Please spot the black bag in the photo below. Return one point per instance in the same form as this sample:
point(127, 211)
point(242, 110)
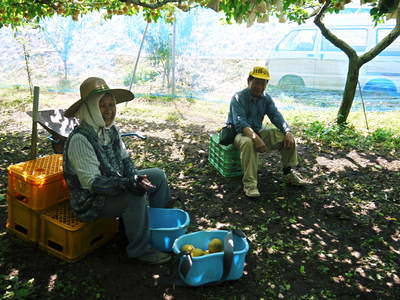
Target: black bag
point(227, 135)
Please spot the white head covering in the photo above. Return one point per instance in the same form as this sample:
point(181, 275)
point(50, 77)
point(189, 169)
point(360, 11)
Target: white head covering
point(89, 112)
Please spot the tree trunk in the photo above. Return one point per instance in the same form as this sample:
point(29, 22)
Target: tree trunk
point(65, 70)
point(167, 70)
point(349, 90)
point(355, 62)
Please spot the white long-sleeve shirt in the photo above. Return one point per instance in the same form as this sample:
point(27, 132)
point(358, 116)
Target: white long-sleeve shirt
point(83, 158)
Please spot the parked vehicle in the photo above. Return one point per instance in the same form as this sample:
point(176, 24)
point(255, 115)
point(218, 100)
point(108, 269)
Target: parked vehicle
point(304, 58)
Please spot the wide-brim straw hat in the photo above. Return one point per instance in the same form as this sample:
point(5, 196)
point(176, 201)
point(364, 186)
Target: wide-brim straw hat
point(94, 86)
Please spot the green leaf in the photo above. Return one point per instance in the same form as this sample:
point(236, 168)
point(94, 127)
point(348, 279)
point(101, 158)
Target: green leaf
point(302, 270)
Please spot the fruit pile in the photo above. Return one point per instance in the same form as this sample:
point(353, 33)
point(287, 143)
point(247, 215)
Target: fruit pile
point(214, 246)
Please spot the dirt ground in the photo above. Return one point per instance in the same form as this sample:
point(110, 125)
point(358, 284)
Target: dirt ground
point(335, 239)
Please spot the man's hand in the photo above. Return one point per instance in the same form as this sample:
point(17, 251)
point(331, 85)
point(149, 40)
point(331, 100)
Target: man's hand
point(288, 141)
point(259, 145)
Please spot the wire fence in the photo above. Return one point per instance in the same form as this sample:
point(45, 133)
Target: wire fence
point(212, 61)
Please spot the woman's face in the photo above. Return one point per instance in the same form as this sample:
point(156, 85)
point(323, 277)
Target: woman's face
point(108, 108)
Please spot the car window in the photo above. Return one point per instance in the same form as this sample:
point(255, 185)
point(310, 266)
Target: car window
point(298, 40)
point(393, 49)
point(356, 38)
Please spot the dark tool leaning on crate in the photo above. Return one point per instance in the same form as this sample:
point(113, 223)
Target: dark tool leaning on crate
point(60, 127)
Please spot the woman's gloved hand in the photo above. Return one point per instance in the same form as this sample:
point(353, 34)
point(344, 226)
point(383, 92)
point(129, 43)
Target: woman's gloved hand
point(140, 184)
point(145, 182)
point(135, 186)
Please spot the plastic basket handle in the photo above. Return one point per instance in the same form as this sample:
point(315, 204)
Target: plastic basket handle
point(186, 262)
point(228, 256)
point(228, 252)
point(183, 262)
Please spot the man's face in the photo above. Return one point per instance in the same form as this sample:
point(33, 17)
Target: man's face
point(108, 108)
point(257, 86)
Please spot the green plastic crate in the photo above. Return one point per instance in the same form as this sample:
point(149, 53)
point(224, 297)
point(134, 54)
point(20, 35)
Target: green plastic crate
point(227, 163)
point(226, 167)
point(226, 153)
point(225, 159)
point(226, 172)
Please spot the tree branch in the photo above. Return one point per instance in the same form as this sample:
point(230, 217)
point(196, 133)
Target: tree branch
point(342, 45)
point(47, 2)
point(385, 42)
point(155, 5)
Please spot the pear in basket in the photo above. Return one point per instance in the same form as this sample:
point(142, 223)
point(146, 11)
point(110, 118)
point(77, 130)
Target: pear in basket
point(197, 252)
point(215, 245)
point(187, 248)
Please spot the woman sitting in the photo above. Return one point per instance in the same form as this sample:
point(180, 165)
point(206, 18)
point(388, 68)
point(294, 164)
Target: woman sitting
point(101, 177)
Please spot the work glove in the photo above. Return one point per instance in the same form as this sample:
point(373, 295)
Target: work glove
point(135, 187)
point(115, 185)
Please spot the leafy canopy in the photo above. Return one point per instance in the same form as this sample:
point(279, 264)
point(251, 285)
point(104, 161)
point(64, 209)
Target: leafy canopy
point(19, 12)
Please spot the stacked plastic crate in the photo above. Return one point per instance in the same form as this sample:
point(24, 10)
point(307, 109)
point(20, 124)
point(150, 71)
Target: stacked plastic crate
point(38, 210)
point(226, 159)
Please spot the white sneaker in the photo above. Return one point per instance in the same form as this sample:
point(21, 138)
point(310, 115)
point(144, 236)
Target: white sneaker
point(295, 179)
point(251, 192)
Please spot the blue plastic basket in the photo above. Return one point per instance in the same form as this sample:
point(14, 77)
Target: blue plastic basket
point(209, 268)
point(166, 225)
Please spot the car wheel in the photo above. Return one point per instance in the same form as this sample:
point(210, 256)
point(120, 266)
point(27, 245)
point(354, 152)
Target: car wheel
point(290, 82)
point(380, 86)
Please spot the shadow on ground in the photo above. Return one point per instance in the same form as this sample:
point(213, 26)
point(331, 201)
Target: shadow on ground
point(335, 239)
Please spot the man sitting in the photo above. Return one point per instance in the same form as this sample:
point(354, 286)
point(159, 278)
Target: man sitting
point(247, 110)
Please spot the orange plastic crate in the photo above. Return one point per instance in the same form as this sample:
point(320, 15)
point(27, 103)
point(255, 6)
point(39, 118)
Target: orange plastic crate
point(64, 236)
point(40, 181)
point(22, 220)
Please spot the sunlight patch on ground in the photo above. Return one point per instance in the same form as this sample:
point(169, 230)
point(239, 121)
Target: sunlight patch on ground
point(309, 243)
point(14, 272)
point(358, 159)
point(322, 257)
point(177, 153)
point(52, 282)
point(355, 254)
point(355, 161)
point(307, 232)
point(396, 236)
point(335, 165)
point(396, 279)
point(167, 296)
point(363, 288)
point(338, 279)
point(360, 271)
point(220, 225)
point(391, 166)
point(219, 195)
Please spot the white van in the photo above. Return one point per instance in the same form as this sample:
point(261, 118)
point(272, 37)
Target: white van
point(304, 58)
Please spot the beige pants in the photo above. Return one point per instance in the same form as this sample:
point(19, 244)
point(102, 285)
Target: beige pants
point(273, 139)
